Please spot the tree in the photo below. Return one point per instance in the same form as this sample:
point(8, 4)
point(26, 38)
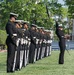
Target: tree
point(70, 4)
point(31, 10)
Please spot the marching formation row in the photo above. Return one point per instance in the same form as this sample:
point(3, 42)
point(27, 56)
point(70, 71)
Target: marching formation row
point(25, 45)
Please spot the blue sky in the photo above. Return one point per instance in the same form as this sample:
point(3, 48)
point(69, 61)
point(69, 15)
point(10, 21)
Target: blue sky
point(61, 1)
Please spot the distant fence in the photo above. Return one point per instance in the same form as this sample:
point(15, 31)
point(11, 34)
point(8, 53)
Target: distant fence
point(69, 45)
point(55, 46)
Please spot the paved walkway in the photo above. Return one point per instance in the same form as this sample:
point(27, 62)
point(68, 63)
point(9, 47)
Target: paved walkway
point(3, 50)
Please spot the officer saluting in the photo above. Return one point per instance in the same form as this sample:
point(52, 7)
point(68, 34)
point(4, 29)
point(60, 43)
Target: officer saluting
point(11, 41)
point(60, 34)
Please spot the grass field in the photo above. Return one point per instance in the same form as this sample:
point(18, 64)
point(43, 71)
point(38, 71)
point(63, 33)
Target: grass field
point(46, 66)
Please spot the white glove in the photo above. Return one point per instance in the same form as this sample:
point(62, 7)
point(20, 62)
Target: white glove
point(37, 41)
point(26, 42)
point(49, 41)
point(29, 43)
point(17, 42)
point(22, 40)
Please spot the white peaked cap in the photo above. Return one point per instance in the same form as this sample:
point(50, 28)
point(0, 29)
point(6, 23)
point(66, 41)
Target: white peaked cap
point(13, 14)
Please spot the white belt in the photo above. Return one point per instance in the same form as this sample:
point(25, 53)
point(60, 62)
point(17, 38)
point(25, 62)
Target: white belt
point(49, 41)
point(34, 37)
point(62, 36)
point(29, 39)
point(37, 39)
point(21, 40)
point(13, 34)
point(26, 37)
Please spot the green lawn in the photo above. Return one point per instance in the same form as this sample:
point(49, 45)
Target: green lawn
point(46, 66)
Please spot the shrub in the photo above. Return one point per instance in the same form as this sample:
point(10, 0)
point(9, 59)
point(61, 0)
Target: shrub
point(2, 36)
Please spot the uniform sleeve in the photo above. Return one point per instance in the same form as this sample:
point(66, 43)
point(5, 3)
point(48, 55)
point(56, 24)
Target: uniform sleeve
point(60, 34)
point(9, 30)
point(20, 32)
point(33, 37)
point(56, 25)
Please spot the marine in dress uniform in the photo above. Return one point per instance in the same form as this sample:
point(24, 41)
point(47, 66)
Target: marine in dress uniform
point(44, 44)
point(46, 49)
point(38, 43)
point(11, 41)
point(39, 37)
point(41, 42)
point(26, 46)
point(22, 46)
point(49, 43)
point(19, 35)
point(33, 43)
point(61, 36)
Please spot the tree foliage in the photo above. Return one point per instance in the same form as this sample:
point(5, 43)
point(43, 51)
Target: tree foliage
point(70, 4)
point(31, 11)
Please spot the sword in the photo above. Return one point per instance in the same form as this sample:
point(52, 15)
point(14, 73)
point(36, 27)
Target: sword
point(67, 50)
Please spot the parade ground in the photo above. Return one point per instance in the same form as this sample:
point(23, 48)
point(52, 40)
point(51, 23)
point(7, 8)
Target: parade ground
point(46, 66)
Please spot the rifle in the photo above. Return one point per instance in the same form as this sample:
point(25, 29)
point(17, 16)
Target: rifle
point(67, 51)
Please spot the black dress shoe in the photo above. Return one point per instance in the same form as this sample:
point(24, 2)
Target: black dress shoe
point(16, 69)
point(10, 71)
point(61, 63)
